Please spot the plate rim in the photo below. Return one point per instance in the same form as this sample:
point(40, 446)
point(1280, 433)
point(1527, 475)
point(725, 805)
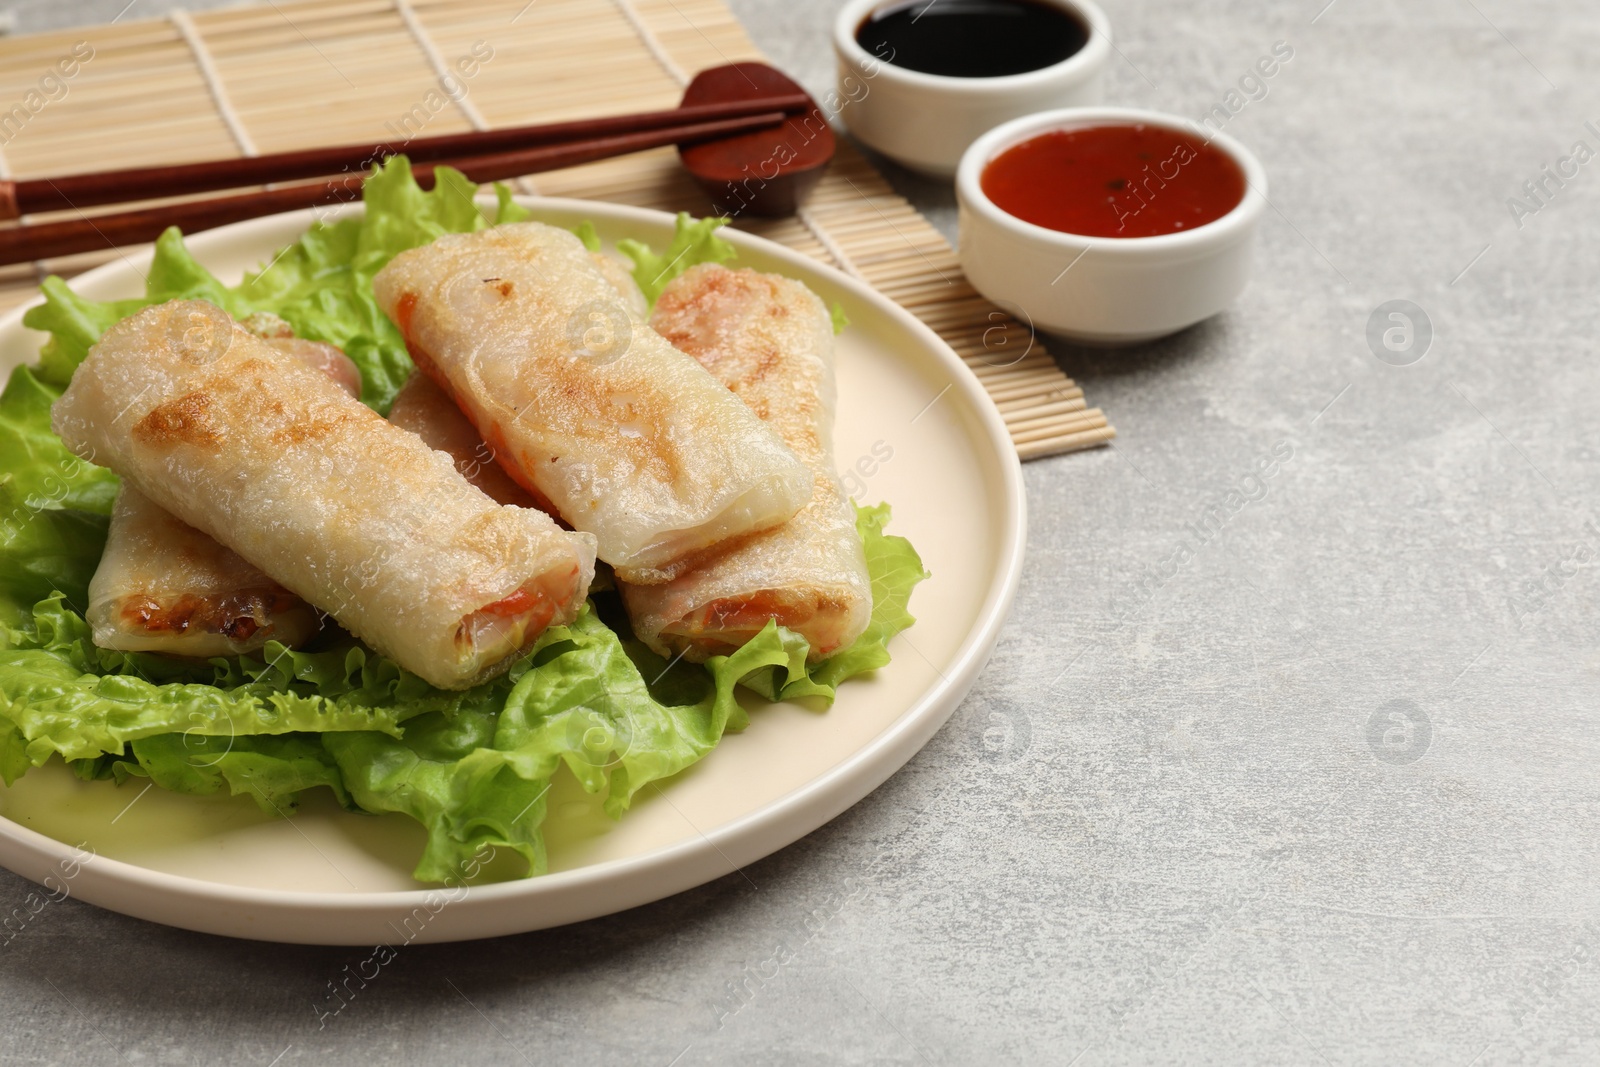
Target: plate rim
point(685, 863)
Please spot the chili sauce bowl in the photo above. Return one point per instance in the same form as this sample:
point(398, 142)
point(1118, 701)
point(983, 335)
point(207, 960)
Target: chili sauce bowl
point(926, 120)
point(1099, 289)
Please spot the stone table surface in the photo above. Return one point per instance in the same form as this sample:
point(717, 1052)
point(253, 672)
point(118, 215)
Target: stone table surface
point(1316, 788)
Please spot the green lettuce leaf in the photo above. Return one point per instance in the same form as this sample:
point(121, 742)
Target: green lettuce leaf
point(479, 778)
point(74, 323)
point(840, 319)
point(67, 697)
point(896, 569)
point(271, 770)
point(53, 506)
point(588, 235)
point(38, 472)
point(694, 241)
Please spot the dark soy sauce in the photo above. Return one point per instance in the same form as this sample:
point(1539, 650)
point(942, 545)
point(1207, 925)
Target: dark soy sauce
point(972, 38)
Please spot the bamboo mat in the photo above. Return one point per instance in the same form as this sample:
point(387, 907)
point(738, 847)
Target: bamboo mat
point(268, 78)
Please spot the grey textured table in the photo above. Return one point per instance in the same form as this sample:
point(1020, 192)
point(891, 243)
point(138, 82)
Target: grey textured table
point(1315, 786)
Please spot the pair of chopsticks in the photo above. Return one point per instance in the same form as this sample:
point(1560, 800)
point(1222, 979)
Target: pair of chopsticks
point(485, 156)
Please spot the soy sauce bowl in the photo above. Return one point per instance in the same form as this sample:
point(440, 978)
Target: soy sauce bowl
point(926, 121)
point(1105, 290)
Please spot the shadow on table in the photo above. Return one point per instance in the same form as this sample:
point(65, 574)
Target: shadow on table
point(140, 983)
point(1089, 364)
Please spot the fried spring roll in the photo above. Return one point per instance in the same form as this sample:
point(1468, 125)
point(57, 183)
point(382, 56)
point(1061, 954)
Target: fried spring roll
point(769, 340)
point(423, 409)
point(163, 586)
point(358, 517)
point(319, 355)
point(584, 404)
point(426, 411)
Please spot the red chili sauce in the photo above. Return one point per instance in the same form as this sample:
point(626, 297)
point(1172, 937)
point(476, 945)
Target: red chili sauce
point(1133, 180)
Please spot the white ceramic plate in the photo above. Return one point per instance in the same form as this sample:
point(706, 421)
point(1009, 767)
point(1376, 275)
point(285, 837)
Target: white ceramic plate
point(218, 865)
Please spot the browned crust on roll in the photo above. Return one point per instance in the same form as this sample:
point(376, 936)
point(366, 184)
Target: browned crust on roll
point(186, 420)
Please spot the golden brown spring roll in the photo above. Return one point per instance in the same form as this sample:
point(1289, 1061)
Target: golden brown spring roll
point(163, 586)
point(357, 516)
point(585, 405)
point(770, 341)
point(426, 411)
point(316, 354)
point(422, 408)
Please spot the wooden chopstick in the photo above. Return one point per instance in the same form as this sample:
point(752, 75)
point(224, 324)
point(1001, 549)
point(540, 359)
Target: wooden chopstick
point(20, 244)
point(34, 195)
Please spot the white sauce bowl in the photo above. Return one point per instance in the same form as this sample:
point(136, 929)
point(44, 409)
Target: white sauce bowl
point(925, 121)
point(1105, 290)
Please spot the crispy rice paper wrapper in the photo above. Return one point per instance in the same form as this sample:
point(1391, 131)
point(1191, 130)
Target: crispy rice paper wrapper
point(584, 404)
point(424, 409)
point(358, 517)
point(163, 586)
point(770, 341)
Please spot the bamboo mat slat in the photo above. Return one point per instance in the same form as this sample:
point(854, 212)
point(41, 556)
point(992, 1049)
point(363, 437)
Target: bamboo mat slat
point(291, 75)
